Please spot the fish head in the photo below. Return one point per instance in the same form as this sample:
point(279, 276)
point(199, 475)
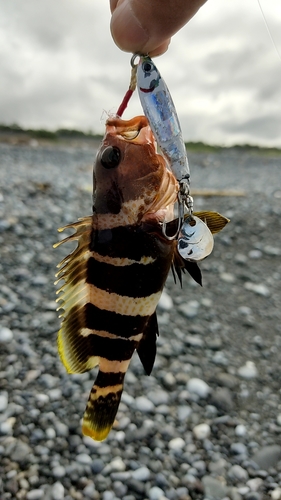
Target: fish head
point(131, 180)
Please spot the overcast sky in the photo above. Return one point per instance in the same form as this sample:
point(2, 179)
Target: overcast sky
point(60, 68)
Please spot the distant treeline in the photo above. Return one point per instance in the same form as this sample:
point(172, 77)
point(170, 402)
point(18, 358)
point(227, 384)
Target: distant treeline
point(196, 147)
point(47, 134)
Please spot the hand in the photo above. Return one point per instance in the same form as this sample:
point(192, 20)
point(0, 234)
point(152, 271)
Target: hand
point(146, 26)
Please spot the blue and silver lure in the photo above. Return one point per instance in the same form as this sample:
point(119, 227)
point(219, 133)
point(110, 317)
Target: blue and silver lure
point(195, 240)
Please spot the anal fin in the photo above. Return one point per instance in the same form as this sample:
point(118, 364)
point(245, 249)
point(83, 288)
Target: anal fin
point(147, 346)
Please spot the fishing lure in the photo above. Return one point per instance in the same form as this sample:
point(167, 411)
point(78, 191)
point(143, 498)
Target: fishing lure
point(195, 240)
point(161, 113)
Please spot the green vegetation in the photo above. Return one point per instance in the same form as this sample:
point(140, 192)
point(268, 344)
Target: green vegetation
point(48, 134)
point(192, 147)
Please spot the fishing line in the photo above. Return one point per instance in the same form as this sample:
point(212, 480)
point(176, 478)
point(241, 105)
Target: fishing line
point(129, 93)
point(268, 30)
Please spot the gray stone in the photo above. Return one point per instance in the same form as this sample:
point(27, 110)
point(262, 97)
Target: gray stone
point(6, 335)
point(202, 431)
point(268, 456)
point(158, 397)
point(237, 473)
point(58, 491)
point(248, 371)
point(238, 448)
point(84, 459)
point(141, 474)
point(222, 399)
point(59, 471)
point(214, 489)
point(176, 444)
point(190, 309)
point(144, 405)
point(199, 387)
point(155, 493)
point(20, 451)
point(184, 412)
point(240, 430)
point(258, 288)
point(165, 303)
point(3, 401)
point(35, 494)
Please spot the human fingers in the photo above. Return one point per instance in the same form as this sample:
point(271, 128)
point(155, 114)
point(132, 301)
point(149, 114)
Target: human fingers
point(146, 26)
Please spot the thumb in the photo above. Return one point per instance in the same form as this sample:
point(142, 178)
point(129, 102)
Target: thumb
point(146, 26)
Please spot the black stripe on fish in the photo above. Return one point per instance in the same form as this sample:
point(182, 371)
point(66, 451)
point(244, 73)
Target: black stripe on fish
point(135, 280)
point(118, 324)
point(130, 242)
point(105, 315)
point(107, 379)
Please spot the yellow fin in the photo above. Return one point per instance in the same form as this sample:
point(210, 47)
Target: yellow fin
point(75, 349)
point(215, 221)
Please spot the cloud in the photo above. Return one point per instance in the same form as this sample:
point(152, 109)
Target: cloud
point(60, 68)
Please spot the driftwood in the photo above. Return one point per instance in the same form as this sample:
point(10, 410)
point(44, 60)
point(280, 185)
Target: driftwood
point(218, 192)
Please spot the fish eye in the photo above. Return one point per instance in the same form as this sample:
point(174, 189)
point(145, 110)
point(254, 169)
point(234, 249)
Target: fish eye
point(147, 67)
point(110, 157)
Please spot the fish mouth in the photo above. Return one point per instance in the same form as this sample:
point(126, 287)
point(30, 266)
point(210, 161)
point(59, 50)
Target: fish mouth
point(147, 91)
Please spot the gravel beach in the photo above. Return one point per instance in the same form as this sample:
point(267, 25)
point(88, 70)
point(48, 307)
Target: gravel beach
point(207, 423)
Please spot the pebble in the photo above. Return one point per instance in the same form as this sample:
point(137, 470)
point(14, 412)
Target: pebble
point(258, 288)
point(83, 458)
point(214, 489)
point(240, 430)
point(248, 371)
point(158, 397)
point(184, 411)
point(59, 471)
point(238, 448)
point(144, 405)
point(141, 474)
point(35, 494)
point(156, 493)
point(227, 277)
point(267, 456)
point(237, 473)
point(166, 302)
point(276, 494)
point(58, 491)
point(176, 444)
point(6, 335)
point(205, 334)
point(199, 387)
point(189, 310)
point(255, 483)
point(201, 431)
point(3, 401)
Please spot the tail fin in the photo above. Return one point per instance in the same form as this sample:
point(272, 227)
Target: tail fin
point(103, 404)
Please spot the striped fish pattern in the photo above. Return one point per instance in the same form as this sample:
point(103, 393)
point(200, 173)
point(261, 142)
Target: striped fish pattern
point(114, 278)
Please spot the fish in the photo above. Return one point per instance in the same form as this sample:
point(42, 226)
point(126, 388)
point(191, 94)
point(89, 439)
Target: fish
point(113, 279)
